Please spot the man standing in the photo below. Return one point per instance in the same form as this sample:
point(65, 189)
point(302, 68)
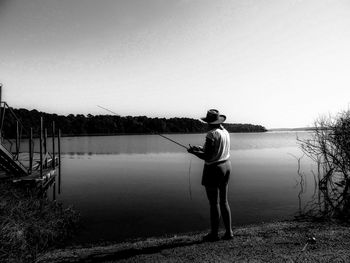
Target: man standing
point(216, 172)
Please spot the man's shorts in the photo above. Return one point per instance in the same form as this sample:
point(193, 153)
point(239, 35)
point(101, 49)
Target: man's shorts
point(217, 174)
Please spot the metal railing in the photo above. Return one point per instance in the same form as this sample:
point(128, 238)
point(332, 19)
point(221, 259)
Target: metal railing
point(13, 134)
point(12, 141)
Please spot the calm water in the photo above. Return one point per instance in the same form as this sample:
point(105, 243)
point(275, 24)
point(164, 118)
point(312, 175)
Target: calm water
point(142, 185)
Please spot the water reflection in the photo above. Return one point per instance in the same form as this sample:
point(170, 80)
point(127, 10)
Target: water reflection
point(130, 144)
point(133, 186)
point(54, 187)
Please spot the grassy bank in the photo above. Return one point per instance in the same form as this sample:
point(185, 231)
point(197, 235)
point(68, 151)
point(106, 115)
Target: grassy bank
point(272, 242)
point(30, 225)
point(34, 230)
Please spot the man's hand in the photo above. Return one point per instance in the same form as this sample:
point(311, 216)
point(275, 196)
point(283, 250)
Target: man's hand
point(190, 149)
point(195, 149)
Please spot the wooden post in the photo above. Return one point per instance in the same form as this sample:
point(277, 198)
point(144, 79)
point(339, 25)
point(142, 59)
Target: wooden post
point(59, 160)
point(54, 189)
point(53, 145)
point(30, 151)
point(3, 109)
point(59, 146)
point(41, 146)
point(17, 139)
point(1, 121)
point(45, 146)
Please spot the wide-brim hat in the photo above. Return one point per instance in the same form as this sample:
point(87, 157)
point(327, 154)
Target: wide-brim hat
point(214, 117)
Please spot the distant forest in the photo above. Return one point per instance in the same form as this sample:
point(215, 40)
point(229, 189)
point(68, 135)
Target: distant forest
point(112, 124)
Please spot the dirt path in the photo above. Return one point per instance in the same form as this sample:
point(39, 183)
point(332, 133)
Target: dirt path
point(273, 242)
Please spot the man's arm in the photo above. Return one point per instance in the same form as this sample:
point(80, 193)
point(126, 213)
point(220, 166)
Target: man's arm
point(204, 153)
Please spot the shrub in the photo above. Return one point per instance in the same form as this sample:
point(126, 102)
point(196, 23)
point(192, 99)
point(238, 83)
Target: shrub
point(329, 147)
point(30, 225)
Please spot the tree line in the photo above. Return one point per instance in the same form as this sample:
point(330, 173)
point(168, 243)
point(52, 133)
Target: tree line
point(112, 124)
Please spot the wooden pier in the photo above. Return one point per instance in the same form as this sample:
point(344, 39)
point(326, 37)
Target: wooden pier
point(25, 158)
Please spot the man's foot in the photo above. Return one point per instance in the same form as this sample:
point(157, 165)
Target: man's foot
point(228, 236)
point(211, 237)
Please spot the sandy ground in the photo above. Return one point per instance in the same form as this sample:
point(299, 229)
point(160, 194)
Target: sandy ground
point(272, 242)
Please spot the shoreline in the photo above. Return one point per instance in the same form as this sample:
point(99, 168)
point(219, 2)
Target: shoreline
point(43, 239)
point(128, 134)
point(174, 133)
point(131, 134)
point(281, 241)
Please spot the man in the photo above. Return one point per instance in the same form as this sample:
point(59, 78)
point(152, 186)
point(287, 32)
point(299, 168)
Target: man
point(216, 172)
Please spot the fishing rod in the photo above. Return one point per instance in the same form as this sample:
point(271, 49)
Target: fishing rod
point(157, 133)
point(108, 110)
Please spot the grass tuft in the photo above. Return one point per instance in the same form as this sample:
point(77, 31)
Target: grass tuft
point(30, 225)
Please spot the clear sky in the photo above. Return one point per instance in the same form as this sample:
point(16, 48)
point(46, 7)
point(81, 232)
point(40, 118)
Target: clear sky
point(279, 63)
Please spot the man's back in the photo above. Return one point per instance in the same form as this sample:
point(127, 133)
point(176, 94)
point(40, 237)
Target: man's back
point(218, 145)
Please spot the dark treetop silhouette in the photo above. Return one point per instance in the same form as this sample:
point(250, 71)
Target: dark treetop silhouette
point(111, 124)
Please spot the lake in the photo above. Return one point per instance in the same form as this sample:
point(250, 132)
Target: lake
point(143, 185)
